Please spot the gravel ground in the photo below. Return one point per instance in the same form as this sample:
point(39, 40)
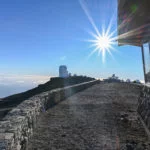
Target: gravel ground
point(102, 117)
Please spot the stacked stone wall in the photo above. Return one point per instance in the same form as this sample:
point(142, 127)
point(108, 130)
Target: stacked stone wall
point(144, 106)
point(17, 127)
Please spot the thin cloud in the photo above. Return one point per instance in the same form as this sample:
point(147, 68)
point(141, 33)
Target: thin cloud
point(63, 58)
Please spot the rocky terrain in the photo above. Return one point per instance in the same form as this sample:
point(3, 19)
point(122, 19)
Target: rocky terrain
point(103, 117)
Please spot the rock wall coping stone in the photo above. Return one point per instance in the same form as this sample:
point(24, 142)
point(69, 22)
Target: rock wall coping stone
point(17, 126)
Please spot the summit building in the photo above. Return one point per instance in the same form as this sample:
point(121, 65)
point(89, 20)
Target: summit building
point(63, 73)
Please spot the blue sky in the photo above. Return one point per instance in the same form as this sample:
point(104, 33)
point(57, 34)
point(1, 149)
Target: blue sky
point(36, 36)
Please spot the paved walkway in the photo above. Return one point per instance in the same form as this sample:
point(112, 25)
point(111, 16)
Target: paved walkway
point(102, 117)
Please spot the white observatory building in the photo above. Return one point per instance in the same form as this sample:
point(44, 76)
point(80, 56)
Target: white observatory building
point(63, 73)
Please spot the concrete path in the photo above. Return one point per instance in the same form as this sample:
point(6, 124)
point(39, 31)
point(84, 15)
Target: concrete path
point(102, 117)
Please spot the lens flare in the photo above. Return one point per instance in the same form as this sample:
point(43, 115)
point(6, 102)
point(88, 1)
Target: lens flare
point(102, 42)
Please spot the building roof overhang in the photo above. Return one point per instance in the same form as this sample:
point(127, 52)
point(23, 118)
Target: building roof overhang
point(133, 22)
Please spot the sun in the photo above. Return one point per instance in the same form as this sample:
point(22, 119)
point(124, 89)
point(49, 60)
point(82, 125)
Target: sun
point(102, 41)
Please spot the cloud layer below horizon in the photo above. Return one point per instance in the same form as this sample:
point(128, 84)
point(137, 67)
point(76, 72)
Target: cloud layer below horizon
point(12, 84)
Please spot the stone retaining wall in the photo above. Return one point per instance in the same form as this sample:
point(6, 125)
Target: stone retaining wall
point(17, 126)
point(144, 106)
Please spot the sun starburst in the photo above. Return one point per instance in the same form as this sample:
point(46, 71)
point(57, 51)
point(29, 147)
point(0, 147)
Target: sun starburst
point(102, 42)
